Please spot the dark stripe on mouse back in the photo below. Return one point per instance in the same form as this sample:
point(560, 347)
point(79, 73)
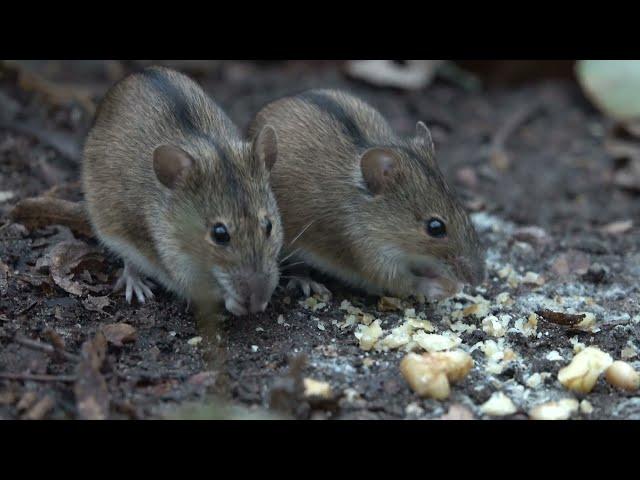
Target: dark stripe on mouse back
point(329, 105)
point(179, 104)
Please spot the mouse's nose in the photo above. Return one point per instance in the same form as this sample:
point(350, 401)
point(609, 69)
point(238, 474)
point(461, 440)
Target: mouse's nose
point(473, 271)
point(258, 292)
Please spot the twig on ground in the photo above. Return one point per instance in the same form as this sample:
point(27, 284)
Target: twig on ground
point(497, 150)
point(34, 377)
point(44, 347)
point(27, 308)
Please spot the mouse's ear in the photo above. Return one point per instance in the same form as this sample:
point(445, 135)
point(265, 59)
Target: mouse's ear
point(265, 147)
point(171, 164)
point(378, 167)
point(423, 137)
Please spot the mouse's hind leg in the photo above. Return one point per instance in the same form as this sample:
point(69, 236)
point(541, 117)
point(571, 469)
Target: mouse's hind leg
point(133, 283)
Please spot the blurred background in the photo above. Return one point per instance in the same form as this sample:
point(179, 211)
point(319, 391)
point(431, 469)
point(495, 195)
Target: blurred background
point(513, 136)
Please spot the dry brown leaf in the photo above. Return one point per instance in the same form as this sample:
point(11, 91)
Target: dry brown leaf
point(560, 318)
point(97, 304)
point(388, 304)
point(42, 211)
point(92, 396)
point(67, 258)
point(119, 333)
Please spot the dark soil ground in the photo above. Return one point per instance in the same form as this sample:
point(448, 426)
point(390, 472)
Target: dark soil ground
point(554, 171)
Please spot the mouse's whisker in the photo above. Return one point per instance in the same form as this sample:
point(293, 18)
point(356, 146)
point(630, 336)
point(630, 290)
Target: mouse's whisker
point(290, 255)
point(301, 232)
point(284, 267)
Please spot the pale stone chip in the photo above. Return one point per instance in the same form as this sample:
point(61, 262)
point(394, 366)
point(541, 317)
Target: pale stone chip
point(533, 278)
point(629, 351)
point(194, 341)
point(585, 368)
point(586, 407)
point(505, 271)
point(6, 195)
point(499, 405)
point(503, 298)
point(413, 409)
point(534, 381)
point(560, 410)
point(554, 356)
point(577, 345)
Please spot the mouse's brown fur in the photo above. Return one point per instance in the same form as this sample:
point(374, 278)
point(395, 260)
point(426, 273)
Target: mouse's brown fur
point(364, 194)
point(162, 165)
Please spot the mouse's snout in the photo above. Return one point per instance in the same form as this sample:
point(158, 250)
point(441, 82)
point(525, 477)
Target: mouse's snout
point(256, 290)
point(473, 272)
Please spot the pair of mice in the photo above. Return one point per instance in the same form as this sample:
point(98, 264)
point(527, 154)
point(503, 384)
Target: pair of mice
point(175, 190)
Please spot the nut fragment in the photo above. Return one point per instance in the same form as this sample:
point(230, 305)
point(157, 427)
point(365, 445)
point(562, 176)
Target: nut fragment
point(432, 342)
point(622, 375)
point(585, 368)
point(368, 335)
point(499, 405)
point(429, 374)
point(315, 388)
point(560, 410)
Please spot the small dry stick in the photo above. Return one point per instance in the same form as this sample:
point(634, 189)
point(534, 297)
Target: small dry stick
point(37, 377)
point(497, 153)
point(43, 347)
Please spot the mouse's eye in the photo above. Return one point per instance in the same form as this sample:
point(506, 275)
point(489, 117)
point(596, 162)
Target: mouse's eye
point(436, 228)
point(220, 234)
point(267, 226)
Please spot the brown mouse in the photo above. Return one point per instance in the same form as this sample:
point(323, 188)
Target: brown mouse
point(363, 204)
point(175, 191)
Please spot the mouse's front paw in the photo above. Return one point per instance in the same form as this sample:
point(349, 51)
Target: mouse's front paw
point(132, 282)
point(307, 286)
